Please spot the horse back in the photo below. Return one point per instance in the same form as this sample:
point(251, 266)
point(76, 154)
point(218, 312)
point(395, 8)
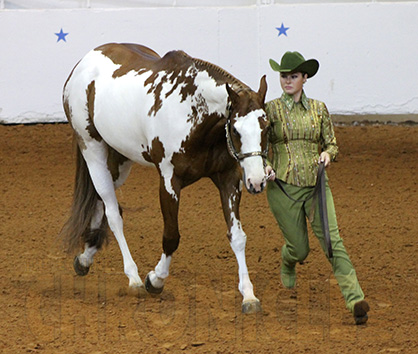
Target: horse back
point(129, 56)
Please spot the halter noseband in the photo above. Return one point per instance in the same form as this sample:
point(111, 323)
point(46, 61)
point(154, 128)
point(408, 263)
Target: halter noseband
point(238, 156)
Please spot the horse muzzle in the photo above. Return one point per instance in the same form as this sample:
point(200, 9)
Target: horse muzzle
point(253, 186)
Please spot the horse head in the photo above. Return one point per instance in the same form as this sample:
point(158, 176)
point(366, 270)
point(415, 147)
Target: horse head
point(246, 132)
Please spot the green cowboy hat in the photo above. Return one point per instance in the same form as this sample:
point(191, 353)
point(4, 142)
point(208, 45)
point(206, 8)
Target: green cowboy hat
point(295, 62)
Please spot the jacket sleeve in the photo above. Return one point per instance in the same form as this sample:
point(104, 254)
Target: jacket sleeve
point(328, 139)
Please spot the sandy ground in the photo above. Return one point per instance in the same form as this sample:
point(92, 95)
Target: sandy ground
point(46, 308)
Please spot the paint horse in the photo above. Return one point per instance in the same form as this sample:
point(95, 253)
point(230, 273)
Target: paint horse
point(187, 117)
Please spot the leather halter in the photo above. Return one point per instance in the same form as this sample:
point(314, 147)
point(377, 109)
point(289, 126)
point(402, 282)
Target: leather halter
point(238, 156)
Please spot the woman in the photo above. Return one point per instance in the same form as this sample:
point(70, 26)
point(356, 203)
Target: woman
point(302, 136)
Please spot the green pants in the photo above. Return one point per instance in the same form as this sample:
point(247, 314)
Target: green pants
point(291, 217)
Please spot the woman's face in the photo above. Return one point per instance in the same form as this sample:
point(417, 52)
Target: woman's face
point(292, 83)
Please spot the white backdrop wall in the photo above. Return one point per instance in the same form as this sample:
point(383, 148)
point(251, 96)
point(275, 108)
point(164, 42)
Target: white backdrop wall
point(367, 50)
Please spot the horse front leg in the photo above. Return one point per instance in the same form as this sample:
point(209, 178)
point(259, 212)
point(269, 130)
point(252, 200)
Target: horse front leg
point(230, 191)
point(169, 202)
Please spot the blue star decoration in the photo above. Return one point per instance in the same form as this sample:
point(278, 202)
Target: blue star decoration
point(282, 30)
point(61, 36)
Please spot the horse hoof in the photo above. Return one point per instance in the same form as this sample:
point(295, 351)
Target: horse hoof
point(79, 268)
point(252, 306)
point(137, 291)
point(150, 288)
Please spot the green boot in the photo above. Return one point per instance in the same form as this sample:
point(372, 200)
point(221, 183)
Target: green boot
point(360, 312)
point(288, 276)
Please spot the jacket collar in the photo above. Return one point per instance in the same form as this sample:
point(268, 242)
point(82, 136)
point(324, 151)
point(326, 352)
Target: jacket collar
point(290, 102)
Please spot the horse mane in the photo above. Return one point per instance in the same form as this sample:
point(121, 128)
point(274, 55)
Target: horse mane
point(219, 74)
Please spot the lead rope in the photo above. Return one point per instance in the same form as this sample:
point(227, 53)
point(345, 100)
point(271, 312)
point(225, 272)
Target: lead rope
point(323, 213)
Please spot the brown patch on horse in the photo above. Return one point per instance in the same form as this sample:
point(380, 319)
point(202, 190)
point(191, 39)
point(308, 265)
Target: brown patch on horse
point(180, 64)
point(146, 156)
point(156, 153)
point(176, 68)
point(156, 90)
point(114, 161)
point(129, 56)
point(228, 183)
point(203, 152)
point(97, 237)
point(170, 209)
point(91, 94)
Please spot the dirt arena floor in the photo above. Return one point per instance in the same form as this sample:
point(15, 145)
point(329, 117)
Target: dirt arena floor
point(46, 308)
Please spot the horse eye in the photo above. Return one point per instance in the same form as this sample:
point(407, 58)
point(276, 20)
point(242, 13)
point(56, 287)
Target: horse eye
point(234, 131)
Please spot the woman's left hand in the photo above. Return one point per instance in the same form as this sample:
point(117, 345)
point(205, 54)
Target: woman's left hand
point(270, 174)
point(325, 158)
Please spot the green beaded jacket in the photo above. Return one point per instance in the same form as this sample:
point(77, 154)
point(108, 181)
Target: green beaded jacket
point(299, 133)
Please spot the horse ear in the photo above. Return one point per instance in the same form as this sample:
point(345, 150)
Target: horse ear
point(232, 95)
point(263, 89)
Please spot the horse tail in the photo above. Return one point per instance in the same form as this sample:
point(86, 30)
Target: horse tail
point(77, 231)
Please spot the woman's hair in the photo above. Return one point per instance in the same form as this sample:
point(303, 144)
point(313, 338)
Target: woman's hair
point(302, 72)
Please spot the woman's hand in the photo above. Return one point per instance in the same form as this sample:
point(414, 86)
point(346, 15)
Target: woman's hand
point(270, 174)
point(325, 158)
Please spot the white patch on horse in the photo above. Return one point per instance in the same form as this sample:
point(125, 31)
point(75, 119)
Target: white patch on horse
point(215, 96)
point(250, 132)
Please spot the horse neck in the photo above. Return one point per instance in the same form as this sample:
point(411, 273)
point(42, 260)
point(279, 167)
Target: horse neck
point(220, 75)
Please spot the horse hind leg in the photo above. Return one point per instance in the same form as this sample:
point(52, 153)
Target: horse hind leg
point(96, 235)
point(98, 157)
point(94, 238)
